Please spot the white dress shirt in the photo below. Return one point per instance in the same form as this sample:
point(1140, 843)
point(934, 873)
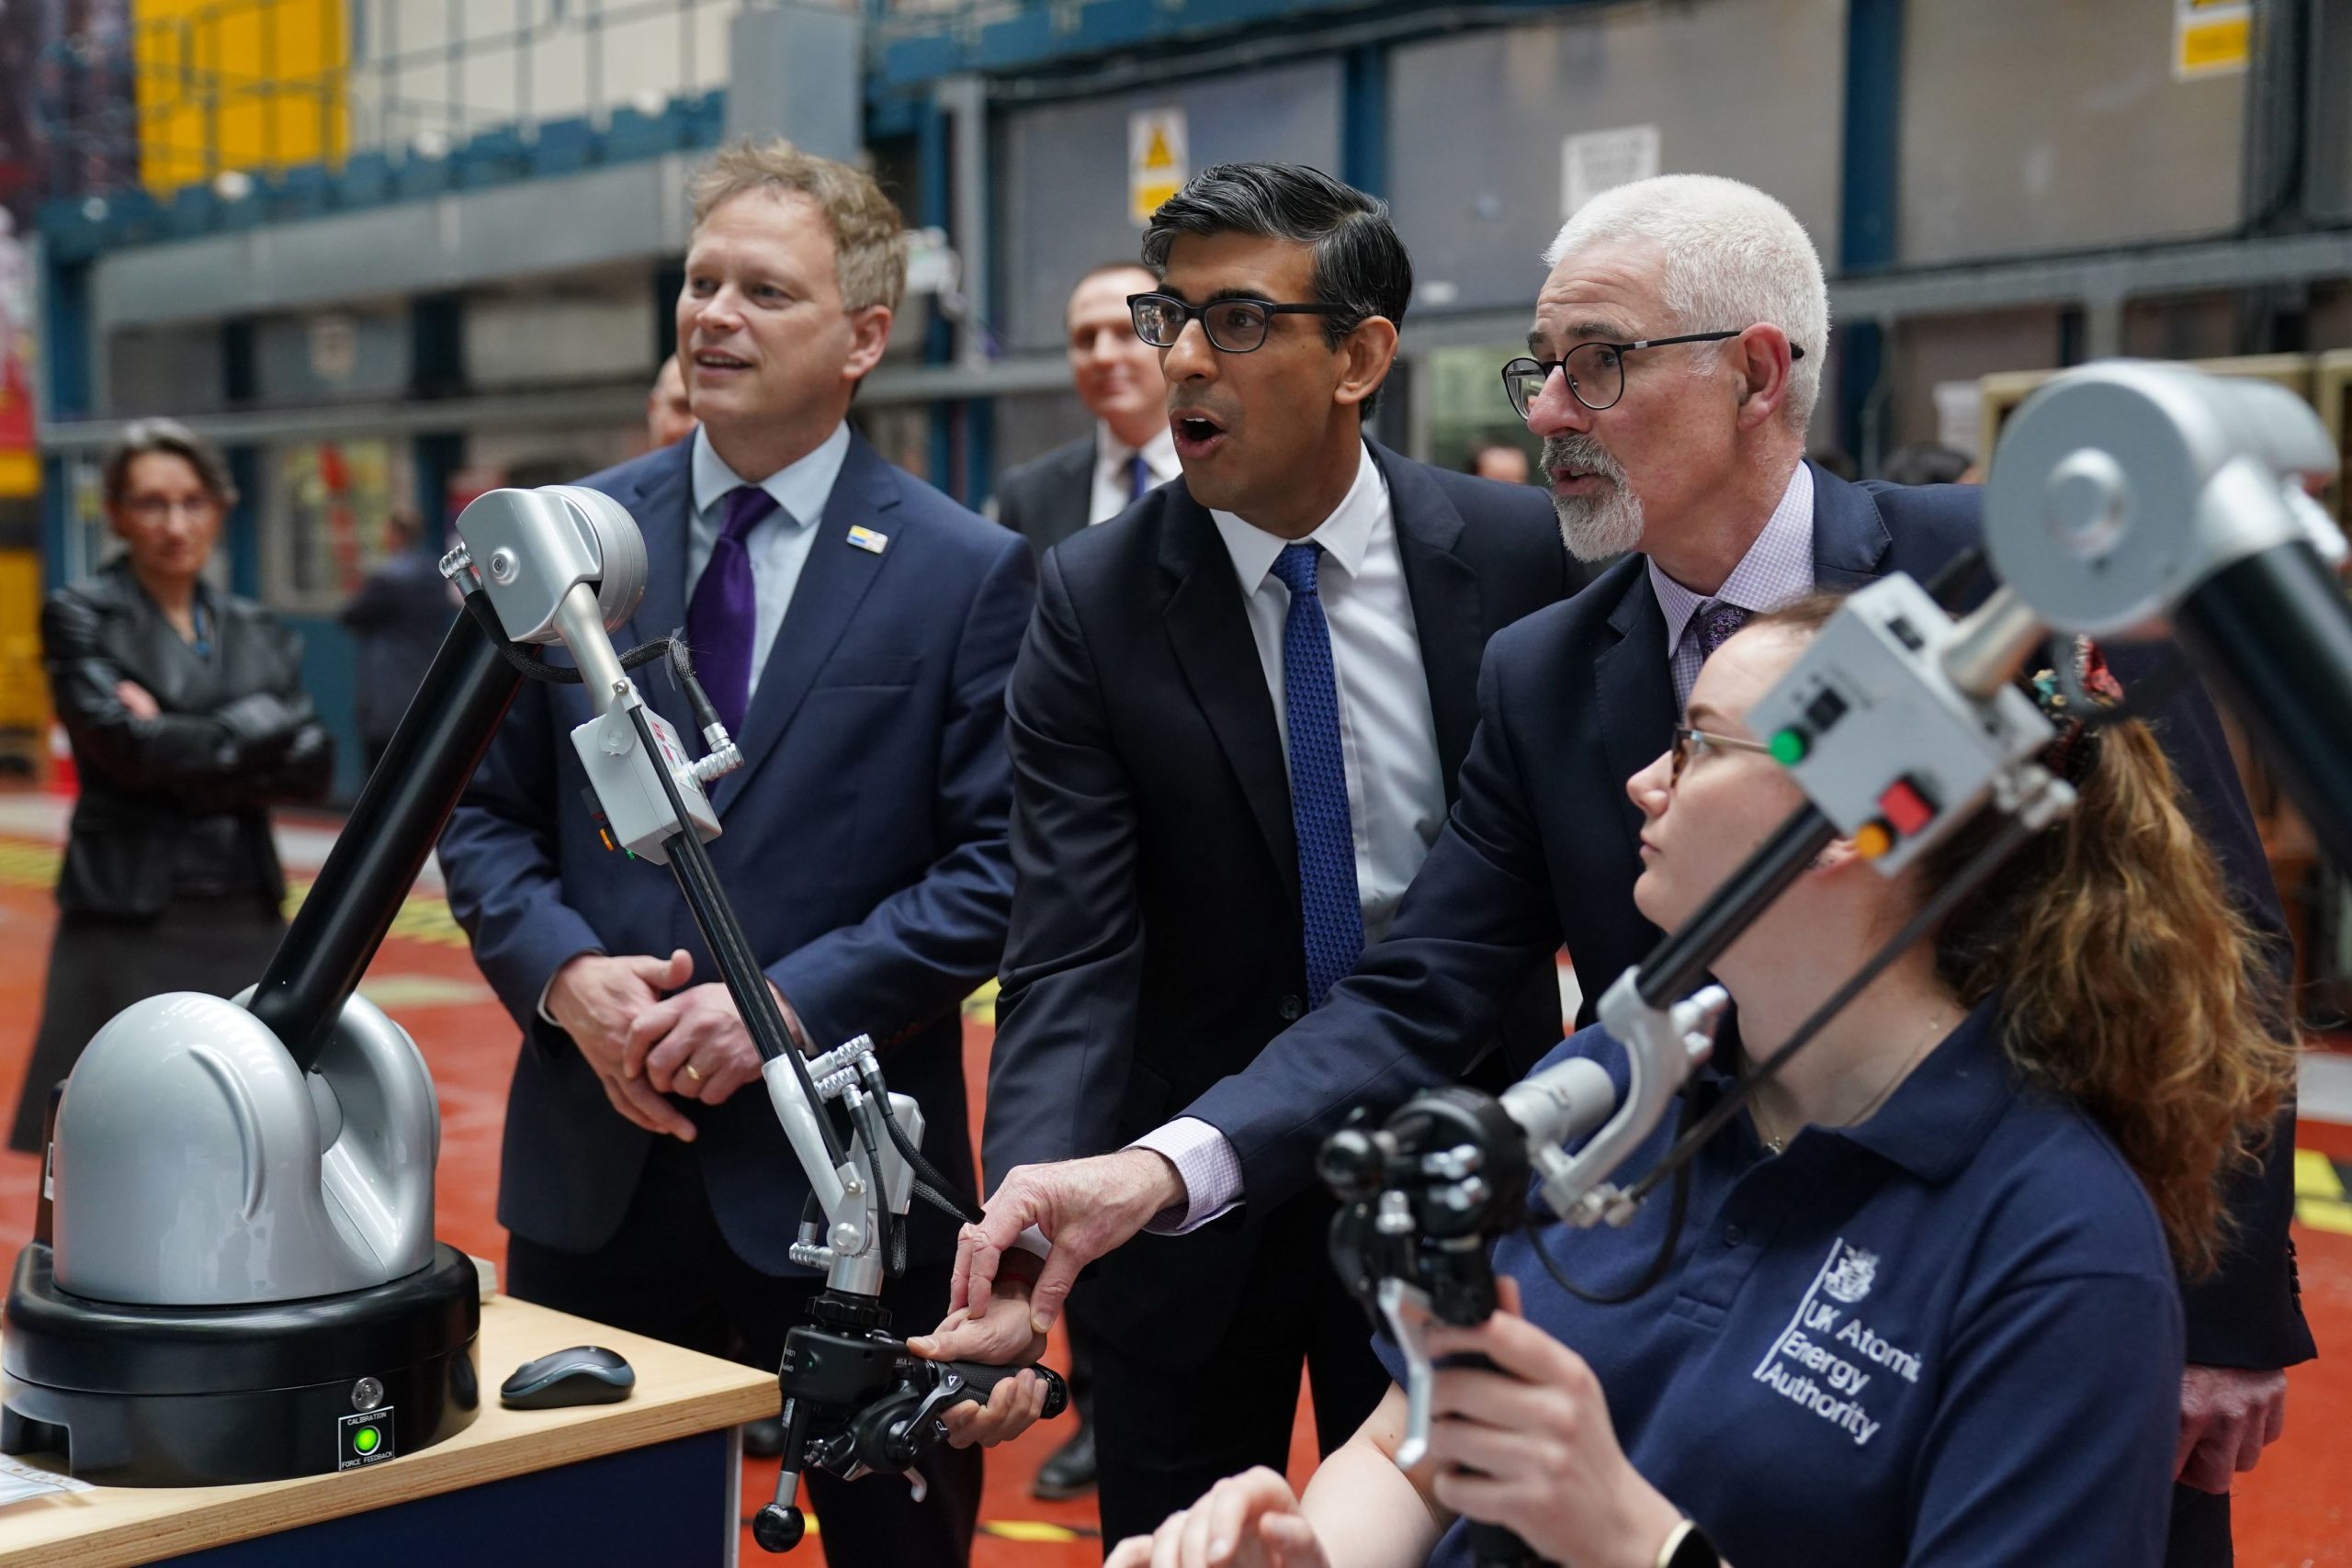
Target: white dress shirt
point(778, 543)
point(1388, 739)
point(1114, 476)
point(1387, 732)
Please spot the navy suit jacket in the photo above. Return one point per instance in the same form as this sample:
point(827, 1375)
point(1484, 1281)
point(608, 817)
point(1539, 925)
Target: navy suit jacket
point(1046, 498)
point(1543, 846)
point(1156, 942)
point(864, 850)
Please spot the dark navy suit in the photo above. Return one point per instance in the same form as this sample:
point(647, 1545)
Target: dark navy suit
point(1156, 944)
point(1543, 847)
point(863, 851)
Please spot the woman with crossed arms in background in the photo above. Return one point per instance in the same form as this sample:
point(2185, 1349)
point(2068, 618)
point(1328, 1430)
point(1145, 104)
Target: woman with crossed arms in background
point(1924, 1310)
point(189, 721)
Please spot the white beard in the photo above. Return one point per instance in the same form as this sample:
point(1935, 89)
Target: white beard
point(1594, 527)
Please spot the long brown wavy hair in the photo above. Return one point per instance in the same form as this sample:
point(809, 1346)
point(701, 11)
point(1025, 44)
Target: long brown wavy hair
point(2128, 979)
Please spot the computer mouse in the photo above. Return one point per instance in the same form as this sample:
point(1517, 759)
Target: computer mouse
point(585, 1374)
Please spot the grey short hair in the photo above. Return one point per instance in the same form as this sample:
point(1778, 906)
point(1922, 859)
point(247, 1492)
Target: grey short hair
point(1733, 257)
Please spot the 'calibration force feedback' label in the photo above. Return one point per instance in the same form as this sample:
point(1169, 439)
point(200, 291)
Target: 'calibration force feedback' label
point(363, 1439)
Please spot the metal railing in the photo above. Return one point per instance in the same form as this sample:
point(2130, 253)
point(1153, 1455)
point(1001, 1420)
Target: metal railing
point(256, 86)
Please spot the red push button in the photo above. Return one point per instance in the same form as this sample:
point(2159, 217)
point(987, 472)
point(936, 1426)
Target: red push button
point(1905, 806)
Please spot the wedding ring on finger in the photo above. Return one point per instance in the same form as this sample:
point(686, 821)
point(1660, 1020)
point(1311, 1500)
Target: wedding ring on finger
point(693, 1074)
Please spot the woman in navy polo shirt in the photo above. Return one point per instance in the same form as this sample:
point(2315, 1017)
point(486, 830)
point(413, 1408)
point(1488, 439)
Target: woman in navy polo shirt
point(1925, 1308)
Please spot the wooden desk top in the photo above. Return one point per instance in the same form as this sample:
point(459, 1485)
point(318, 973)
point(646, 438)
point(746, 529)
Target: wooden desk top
point(678, 1394)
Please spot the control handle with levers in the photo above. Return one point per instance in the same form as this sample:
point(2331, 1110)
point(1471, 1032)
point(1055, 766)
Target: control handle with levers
point(857, 1401)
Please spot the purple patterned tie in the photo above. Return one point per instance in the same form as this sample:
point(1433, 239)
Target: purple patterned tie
point(724, 612)
point(1718, 619)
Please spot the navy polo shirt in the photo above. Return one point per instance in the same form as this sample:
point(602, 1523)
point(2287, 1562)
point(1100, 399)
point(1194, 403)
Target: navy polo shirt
point(1949, 1336)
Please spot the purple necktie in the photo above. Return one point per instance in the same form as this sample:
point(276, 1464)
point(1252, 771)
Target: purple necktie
point(1717, 621)
point(724, 612)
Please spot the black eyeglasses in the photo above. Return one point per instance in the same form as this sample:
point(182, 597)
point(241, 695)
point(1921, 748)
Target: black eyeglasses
point(1595, 371)
point(1692, 744)
point(1237, 326)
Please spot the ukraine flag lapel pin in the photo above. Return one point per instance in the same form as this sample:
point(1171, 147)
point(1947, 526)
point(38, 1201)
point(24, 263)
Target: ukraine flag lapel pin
point(866, 540)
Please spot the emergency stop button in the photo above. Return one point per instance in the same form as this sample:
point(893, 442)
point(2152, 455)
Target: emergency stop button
point(1906, 807)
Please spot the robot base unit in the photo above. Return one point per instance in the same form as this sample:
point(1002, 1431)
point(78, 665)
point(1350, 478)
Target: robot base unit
point(240, 1281)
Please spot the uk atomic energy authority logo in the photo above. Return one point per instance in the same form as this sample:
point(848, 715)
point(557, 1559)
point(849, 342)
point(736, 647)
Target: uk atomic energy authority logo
point(1850, 1281)
point(1829, 1361)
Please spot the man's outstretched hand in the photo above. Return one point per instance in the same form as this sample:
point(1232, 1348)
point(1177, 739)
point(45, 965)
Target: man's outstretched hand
point(1001, 1337)
point(1085, 1207)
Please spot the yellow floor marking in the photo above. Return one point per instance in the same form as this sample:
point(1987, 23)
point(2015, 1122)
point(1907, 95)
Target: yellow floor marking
point(2315, 1176)
point(1027, 1529)
point(2319, 1193)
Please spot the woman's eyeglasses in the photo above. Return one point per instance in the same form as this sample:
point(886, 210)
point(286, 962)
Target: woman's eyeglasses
point(1692, 744)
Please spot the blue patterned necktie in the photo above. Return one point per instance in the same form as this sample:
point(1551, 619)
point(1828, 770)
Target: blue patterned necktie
point(1329, 908)
point(723, 616)
point(1718, 619)
point(1138, 478)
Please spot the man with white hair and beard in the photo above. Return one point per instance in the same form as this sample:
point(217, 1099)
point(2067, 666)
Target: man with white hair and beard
point(1674, 363)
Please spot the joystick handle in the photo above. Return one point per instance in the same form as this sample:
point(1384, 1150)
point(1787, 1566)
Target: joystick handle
point(980, 1380)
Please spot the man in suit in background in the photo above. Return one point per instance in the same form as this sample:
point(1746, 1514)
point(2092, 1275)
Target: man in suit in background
point(1095, 478)
point(1689, 452)
point(854, 628)
point(669, 412)
point(1234, 727)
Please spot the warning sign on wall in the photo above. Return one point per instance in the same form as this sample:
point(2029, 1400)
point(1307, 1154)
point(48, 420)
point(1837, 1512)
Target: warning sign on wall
point(1157, 159)
point(2210, 38)
point(1595, 161)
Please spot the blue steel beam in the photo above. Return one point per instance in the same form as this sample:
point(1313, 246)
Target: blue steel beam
point(1364, 118)
point(1047, 38)
point(933, 204)
point(1867, 235)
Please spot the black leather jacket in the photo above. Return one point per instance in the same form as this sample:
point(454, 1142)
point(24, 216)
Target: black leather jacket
point(176, 804)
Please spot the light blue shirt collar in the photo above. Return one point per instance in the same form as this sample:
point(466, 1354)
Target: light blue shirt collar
point(801, 489)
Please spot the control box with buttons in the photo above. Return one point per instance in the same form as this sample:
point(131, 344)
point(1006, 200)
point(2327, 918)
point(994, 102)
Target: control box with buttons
point(1881, 737)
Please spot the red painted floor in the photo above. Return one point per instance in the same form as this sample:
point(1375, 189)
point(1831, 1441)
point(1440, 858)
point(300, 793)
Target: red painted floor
point(2293, 1513)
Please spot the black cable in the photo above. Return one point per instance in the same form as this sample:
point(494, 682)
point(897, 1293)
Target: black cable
point(1659, 1264)
point(698, 880)
point(682, 670)
point(894, 1244)
point(926, 1174)
point(947, 1203)
point(534, 664)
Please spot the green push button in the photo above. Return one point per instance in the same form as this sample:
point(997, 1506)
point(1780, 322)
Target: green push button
point(365, 1439)
point(1788, 746)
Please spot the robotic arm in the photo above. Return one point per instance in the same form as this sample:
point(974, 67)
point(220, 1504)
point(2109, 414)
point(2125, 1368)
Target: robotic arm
point(2129, 499)
point(567, 565)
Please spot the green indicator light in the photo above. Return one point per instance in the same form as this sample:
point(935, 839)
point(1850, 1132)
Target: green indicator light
point(1788, 746)
point(366, 1438)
